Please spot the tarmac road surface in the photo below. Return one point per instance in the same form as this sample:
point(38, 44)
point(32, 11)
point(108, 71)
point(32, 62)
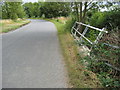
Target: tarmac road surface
point(31, 57)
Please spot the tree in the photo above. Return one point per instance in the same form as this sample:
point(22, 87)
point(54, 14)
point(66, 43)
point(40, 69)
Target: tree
point(37, 12)
point(0, 12)
point(28, 7)
point(94, 14)
point(13, 16)
point(55, 9)
point(32, 9)
point(12, 10)
point(5, 10)
point(82, 8)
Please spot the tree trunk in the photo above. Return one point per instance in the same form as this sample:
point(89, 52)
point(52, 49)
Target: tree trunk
point(82, 15)
point(84, 12)
point(77, 13)
point(80, 26)
point(80, 11)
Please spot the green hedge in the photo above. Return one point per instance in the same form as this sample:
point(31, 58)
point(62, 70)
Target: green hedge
point(109, 19)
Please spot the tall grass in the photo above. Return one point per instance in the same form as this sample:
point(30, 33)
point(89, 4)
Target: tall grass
point(8, 25)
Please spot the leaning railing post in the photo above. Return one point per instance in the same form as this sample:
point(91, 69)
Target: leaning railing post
point(84, 32)
point(72, 28)
point(99, 36)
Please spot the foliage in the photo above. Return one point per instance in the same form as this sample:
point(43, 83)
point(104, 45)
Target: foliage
point(55, 9)
point(113, 18)
point(107, 81)
point(76, 71)
point(12, 10)
point(70, 22)
point(81, 8)
point(96, 62)
point(32, 9)
point(108, 19)
point(98, 20)
point(102, 54)
point(48, 9)
point(9, 25)
point(14, 16)
point(92, 34)
point(0, 12)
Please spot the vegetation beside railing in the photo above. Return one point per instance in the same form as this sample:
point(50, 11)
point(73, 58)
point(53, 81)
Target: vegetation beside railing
point(101, 57)
point(104, 60)
point(105, 63)
point(104, 57)
point(79, 76)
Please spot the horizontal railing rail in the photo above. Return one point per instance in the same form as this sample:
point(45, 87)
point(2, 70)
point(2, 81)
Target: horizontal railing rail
point(92, 27)
point(75, 30)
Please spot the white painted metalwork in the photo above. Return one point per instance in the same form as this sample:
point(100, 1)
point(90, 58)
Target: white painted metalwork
point(75, 31)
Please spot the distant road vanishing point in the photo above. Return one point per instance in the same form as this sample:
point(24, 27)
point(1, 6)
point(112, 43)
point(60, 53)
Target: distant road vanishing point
point(31, 57)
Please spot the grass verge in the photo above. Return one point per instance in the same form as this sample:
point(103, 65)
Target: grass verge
point(79, 77)
point(9, 25)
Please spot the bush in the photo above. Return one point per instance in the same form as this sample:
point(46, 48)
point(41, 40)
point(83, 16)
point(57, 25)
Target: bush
point(109, 19)
point(98, 20)
point(113, 19)
point(70, 22)
point(14, 16)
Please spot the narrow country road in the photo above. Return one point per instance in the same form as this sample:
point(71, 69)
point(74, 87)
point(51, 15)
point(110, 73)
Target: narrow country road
point(31, 57)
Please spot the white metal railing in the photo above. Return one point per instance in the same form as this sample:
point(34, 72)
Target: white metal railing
point(75, 31)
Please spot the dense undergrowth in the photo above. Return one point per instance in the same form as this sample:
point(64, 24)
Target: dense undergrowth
point(104, 57)
point(104, 61)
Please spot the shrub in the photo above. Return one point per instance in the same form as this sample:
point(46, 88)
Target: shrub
point(109, 19)
point(14, 16)
point(113, 19)
point(70, 22)
point(98, 20)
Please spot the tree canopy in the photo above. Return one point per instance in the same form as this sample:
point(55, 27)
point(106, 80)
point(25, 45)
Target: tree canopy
point(12, 10)
point(49, 9)
point(32, 9)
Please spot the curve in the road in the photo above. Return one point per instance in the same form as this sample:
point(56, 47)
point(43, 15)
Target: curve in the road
point(31, 57)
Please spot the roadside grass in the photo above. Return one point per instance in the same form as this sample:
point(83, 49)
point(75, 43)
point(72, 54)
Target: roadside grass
point(79, 77)
point(9, 25)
